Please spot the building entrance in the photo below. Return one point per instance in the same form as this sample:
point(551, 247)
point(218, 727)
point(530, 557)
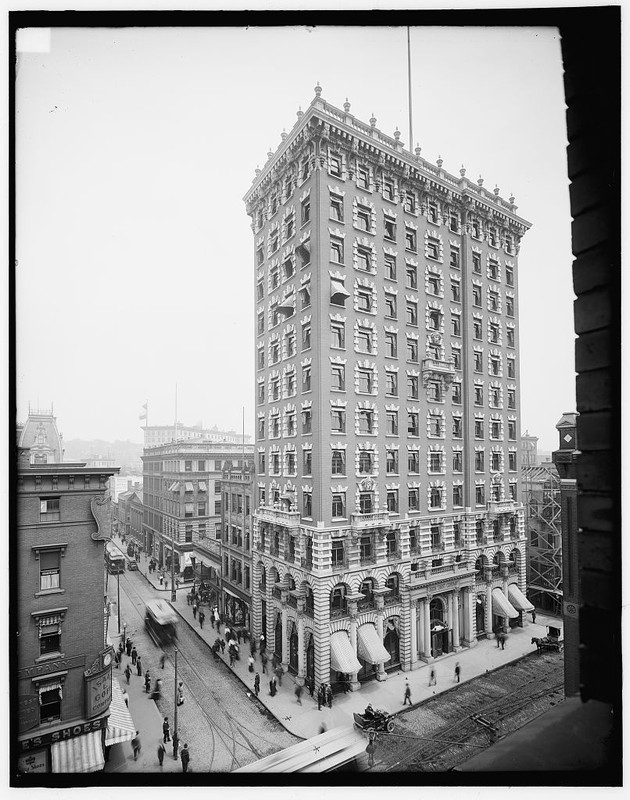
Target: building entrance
point(440, 636)
point(310, 659)
point(392, 645)
point(277, 646)
point(293, 653)
point(480, 618)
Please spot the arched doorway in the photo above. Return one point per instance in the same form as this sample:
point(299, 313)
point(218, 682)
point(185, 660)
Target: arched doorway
point(439, 628)
point(293, 650)
point(392, 645)
point(310, 659)
point(277, 645)
point(480, 617)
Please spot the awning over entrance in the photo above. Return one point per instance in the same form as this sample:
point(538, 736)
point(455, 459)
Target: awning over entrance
point(342, 657)
point(235, 596)
point(120, 726)
point(80, 754)
point(369, 645)
point(502, 606)
point(186, 559)
point(518, 599)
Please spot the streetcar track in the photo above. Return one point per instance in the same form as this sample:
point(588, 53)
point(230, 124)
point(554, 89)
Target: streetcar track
point(232, 738)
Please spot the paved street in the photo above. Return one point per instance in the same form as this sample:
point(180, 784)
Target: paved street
point(223, 727)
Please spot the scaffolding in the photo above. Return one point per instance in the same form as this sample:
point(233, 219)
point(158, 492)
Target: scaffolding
point(543, 520)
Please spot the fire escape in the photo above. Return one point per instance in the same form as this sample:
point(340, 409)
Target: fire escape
point(541, 487)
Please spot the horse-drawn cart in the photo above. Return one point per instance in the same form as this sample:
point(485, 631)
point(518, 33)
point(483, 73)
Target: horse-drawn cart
point(547, 643)
point(374, 720)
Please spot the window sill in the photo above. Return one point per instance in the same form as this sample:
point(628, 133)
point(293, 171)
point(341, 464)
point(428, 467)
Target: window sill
point(46, 592)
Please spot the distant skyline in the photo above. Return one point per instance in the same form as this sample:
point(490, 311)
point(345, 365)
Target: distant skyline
point(135, 147)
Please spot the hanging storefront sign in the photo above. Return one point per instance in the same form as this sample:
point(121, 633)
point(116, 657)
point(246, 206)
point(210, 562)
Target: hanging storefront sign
point(33, 762)
point(28, 711)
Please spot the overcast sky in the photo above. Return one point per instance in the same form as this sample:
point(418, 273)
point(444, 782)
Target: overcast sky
point(135, 147)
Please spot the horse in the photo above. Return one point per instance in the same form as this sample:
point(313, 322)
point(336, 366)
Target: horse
point(539, 643)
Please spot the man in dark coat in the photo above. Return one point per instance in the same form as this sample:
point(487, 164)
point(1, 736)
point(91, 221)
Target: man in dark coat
point(257, 684)
point(161, 752)
point(166, 729)
point(185, 756)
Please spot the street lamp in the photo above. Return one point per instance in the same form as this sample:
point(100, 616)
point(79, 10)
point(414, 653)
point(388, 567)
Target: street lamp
point(175, 736)
point(173, 589)
point(118, 597)
point(124, 639)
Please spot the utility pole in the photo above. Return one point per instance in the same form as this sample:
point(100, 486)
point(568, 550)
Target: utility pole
point(118, 597)
point(175, 699)
point(173, 589)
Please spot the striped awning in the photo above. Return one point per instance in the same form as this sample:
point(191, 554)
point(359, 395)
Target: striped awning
point(120, 725)
point(342, 655)
point(502, 606)
point(518, 599)
point(80, 754)
point(369, 645)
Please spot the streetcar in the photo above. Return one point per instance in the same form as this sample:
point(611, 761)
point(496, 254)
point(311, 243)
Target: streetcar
point(160, 620)
point(338, 749)
point(114, 559)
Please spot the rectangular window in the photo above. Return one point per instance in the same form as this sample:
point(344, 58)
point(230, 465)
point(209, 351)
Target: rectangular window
point(454, 257)
point(435, 462)
point(411, 240)
point(392, 423)
point(476, 262)
point(366, 421)
point(365, 300)
point(338, 334)
point(413, 461)
point(412, 313)
point(391, 345)
point(390, 229)
point(432, 213)
point(334, 164)
point(413, 424)
point(307, 419)
point(391, 461)
point(511, 368)
point(477, 330)
point(306, 336)
point(476, 296)
point(336, 207)
point(338, 381)
point(303, 250)
point(261, 463)
point(260, 255)
point(478, 395)
point(509, 275)
point(457, 427)
point(493, 270)
point(511, 398)
point(433, 248)
point(388, 189)
point(457, 394)
point(306, 379)
point(480, 495)
point(512, 430)
point(456, 294)
point(339, 505)
point(412, 350)
point(480, 461)
point(366, 380)
point(366, 504)
point(410, 203)
point(364, 340)
point(456, 324)
point(49, 509)
point(458, 461)
point(453, 222)
point(434, 391)
point(50, 706)
point(433, 283)
point(478, 361)
point(288, 268)
point(390, 305)
point(390, 267)
point(306, 210)
point(217, 508)
point(457, 357)
point(392, 500)
point(413, 387)
point(307, 504)
point(260, 291)
point(363, 178)
point(494, 332)
point(412, 276)
point(364, 218)
point(391, 383)
point(49, 570)
point(458, 496)
point(478, 429)
point(338, 420)
point(336, 250)
point(307, 462)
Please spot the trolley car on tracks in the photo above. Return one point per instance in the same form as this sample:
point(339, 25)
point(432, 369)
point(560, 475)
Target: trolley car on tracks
point(160, 620)
point(114, 559)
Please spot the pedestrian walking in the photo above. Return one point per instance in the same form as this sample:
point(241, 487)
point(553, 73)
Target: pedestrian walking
point(195, 609)
point(134, 656)
point(161, 580)
point(264, 659)
point(185, 758)
point(274, 662)
point(261, 643)
point(175, 745)
point(257, 684)
point(161, 751)
point(407, 693)
point(188, 598)
point(252, 648)
point(371, 747)
point(117, 659)
point(311, 686)
point(128, 672)
point(128, 645)
point(137, 745)
point(227, 634)
point(222, 646)
point(180, 694)
point(125, 697)
point(279, 674)
point(321, 693)
point(503, 638)
point(250, 663)
point(298, 693)
point(534, 615)
point(432, 677)
point(147, 682)
point(202, 617)
point(139, 665)
point(329, 695)
point(166, 730)
point(457, 671)
point(121, 649)
point(272, 687)
point(162, 660)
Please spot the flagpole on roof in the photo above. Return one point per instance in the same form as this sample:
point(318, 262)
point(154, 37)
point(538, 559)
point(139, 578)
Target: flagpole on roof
point(409, 82)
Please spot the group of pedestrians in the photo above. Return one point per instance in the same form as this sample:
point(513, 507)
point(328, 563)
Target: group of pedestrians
point(324, 696)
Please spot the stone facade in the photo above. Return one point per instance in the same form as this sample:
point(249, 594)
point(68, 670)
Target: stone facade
point(387, 440)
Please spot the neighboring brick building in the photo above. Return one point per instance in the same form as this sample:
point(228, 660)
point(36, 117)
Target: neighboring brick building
point(63, 678)
point(237, 486)
point(388, 528)
point(130, 516)
point(182, 503)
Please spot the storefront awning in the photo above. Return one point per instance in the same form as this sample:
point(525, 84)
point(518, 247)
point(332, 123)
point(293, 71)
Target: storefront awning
point(518, 599)
point(174, 486)
point(79, 754)
point(187, 559)
point(188, 486)
point(120, 726)
point(338, 292)
point(234, 595)
point(202, 486)
point(502, 606)
point(369, 645)
point(342, 655)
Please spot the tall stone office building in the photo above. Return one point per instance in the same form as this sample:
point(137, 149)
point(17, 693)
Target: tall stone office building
point(388, 528)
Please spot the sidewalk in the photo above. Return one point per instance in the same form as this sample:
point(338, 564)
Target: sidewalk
point(305, 720)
